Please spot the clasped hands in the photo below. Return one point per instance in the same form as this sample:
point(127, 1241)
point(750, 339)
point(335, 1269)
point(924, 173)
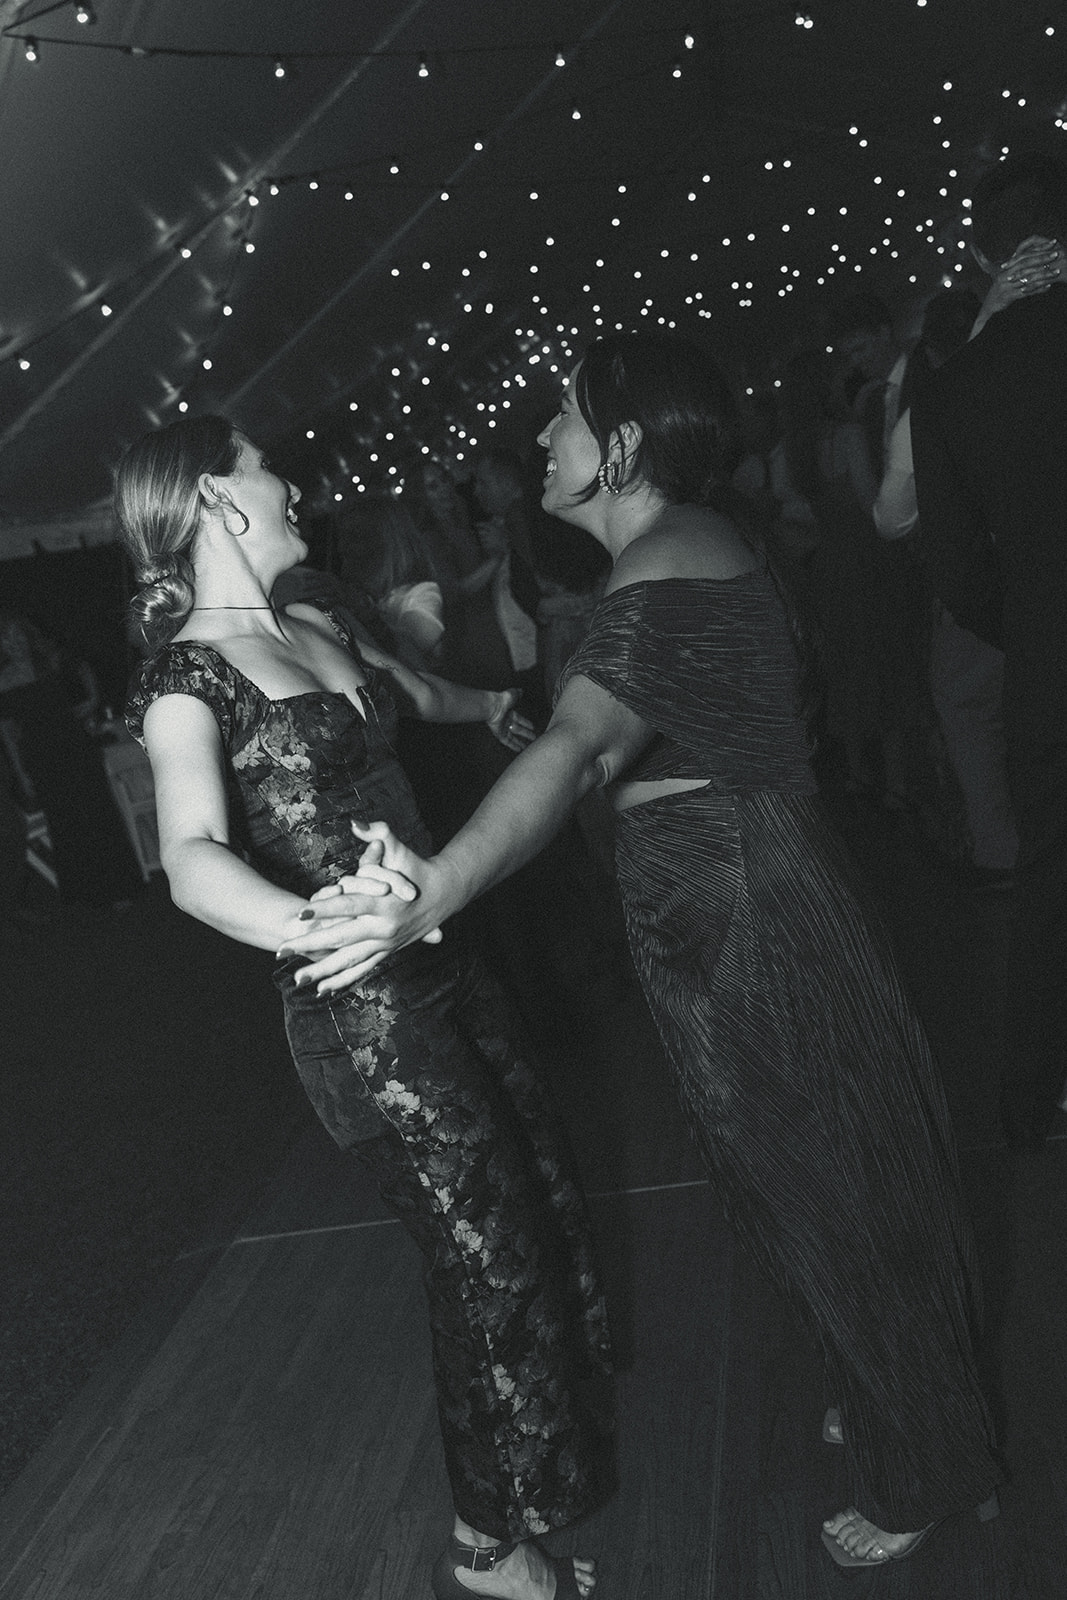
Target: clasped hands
point(348, 927)
point(1036, 265)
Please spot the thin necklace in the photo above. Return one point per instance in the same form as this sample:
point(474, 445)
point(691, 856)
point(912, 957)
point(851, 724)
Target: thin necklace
point(233, 608)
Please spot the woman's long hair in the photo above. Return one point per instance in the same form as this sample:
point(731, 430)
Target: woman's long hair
point(381, 548)
point(158, 505)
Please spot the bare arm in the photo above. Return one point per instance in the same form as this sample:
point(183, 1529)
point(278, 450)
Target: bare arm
point(475, 581)
point(206, 878)
point(434, 699)
point(591, 740)
point(896, 509)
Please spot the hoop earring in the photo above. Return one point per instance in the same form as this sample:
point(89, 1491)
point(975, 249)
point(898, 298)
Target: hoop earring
point(609, 475)
point(240, 531)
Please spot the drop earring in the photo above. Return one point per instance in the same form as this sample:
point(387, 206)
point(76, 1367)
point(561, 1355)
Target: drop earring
point(235, 533)
point(609, 475)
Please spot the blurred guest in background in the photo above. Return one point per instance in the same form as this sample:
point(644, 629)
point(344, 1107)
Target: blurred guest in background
point(989, 435)
point(50, 703)
point(965, 672)
point(382, 554)
point(828, 471)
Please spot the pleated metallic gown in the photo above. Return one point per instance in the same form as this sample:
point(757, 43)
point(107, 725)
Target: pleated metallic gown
point(802, 1066)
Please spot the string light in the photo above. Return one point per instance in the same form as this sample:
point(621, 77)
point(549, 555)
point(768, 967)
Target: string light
point(768, 227)
point(85, 14)
point(30, 51)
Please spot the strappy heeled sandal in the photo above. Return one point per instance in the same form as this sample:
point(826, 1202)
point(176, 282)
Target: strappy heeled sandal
point(446, 1586)
point(985, 1513)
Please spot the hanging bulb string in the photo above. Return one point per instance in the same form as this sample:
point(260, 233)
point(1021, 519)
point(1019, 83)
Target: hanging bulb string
point(551, 108)
point(115, 288)
point(419, 57)
point(23, 19)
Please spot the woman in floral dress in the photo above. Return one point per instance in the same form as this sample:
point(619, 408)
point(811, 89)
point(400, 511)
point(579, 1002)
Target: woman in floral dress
point(269, 732)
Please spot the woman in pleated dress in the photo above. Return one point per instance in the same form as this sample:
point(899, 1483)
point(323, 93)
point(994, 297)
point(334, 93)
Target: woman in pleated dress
point(805, 1071)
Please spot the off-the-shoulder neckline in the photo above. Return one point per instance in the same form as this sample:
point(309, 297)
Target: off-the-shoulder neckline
point(715, 583)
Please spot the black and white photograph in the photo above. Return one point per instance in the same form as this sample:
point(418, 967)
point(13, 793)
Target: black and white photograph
point(533, 800)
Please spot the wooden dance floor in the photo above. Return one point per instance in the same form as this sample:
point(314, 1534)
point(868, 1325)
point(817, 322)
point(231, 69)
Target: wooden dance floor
point(267, 1431)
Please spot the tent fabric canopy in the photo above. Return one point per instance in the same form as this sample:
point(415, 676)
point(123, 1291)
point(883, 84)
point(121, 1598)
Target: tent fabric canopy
point(354, 229)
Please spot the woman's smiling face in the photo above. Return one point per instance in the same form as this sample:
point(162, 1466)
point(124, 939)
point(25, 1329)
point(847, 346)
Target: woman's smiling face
point(573, 457)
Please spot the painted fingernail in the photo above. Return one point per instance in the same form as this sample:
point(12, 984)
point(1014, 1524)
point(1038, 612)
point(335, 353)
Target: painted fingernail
point(305, 915)
point(280, 954)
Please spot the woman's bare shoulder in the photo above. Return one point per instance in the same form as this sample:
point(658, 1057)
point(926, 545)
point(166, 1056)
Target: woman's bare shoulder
point(695, 543)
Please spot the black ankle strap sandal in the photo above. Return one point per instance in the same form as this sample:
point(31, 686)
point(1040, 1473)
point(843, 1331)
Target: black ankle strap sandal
point(446, 1586)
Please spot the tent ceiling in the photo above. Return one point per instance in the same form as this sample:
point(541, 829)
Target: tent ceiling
point(115, 161)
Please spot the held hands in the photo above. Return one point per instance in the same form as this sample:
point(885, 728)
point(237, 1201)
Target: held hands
point(1037, 264)
point(350, 926)
point(508, 725)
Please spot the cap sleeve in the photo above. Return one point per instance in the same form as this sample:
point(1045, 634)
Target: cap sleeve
point(606, 653)
point(702, 661)
point(183, 668)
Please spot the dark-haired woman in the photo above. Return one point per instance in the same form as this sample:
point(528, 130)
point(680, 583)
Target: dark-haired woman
point(806, 1074)
point(269, 732)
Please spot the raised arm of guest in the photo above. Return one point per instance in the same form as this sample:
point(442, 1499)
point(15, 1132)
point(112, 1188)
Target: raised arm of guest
point(896, 509)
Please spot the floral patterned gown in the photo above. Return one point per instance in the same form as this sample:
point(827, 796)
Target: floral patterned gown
point(420, 1071)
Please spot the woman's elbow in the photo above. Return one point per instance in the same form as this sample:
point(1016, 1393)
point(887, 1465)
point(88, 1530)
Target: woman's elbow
point(178, 885)
point(178, 859)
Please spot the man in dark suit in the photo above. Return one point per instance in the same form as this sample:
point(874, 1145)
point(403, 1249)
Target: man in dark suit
point(990, 444)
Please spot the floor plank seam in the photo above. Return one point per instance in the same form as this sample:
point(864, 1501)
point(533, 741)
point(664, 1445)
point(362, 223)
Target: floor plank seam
point(391, 1222)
